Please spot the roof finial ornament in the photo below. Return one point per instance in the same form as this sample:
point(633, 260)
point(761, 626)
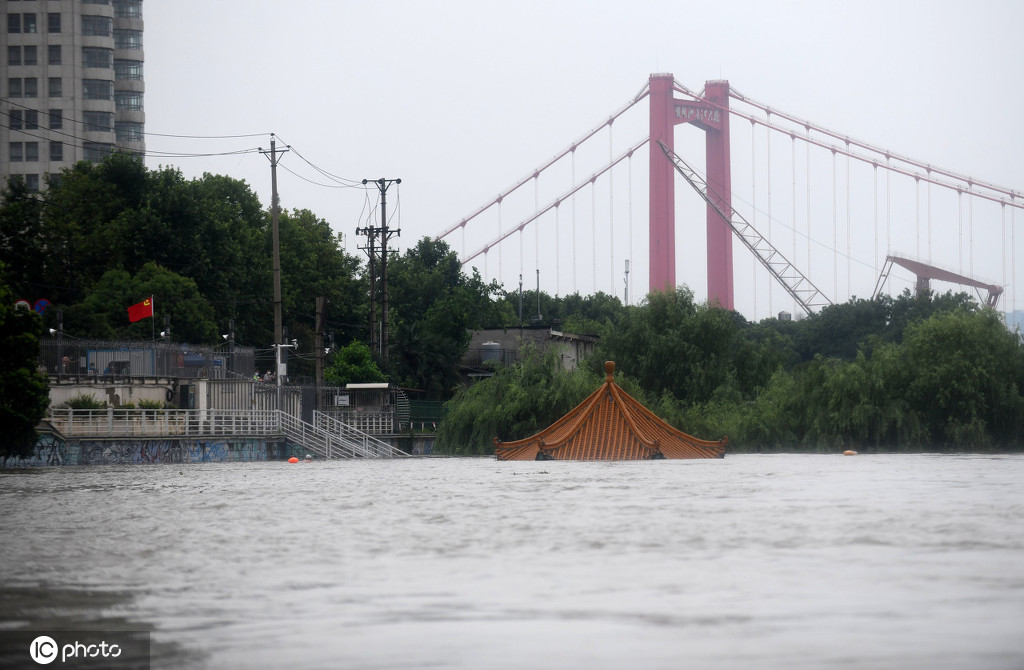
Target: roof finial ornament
point(609, 369)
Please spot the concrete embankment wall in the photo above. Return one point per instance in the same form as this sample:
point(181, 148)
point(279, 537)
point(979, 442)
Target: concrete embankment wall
point(133, 451)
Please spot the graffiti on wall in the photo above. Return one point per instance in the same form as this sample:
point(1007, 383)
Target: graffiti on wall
point(50, 450)
point(138, 452)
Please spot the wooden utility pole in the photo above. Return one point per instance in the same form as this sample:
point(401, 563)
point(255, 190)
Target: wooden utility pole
point(274, 213)
point(320, 303)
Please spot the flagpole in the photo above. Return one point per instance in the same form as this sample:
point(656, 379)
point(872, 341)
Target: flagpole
point(152, 325)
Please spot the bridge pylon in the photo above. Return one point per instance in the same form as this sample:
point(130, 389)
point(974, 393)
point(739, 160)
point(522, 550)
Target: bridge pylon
point(710, 113)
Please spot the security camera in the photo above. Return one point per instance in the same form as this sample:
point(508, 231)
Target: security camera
point(295, 343)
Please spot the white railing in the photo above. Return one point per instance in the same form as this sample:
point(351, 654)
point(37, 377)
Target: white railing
point(164, 422)
point(366, 445)
point(379, 423)
point(327, 437)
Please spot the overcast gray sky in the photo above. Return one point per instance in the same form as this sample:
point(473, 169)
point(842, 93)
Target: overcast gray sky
point(462, 98)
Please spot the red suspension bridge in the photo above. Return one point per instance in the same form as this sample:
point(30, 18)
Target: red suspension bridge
point(819, 215)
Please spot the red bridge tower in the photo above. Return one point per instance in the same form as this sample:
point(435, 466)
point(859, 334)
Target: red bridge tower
point(710, 114)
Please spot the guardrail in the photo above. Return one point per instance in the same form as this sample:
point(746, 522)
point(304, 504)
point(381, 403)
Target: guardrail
point(328, 437)
point(164, 422)
point(363, 444)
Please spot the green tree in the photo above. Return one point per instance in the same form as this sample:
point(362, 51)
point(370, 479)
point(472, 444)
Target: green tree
point(967, 372)
point(673, 344)
point(24, 394)
point(435, 305)
point(104, 311)
point(353, 364)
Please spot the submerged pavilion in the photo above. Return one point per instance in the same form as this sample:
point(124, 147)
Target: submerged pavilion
point(609, 425)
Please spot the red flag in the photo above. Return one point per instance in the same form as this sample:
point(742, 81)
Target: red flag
point(142, 310)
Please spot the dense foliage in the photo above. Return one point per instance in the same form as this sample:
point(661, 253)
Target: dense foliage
point(354, 363)
point(435, 306)
point(107, 235)
point(24, 394)
point(890, 373)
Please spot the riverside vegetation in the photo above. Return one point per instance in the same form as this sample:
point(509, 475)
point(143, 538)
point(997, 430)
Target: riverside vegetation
point(936, 372)
point(905, 373)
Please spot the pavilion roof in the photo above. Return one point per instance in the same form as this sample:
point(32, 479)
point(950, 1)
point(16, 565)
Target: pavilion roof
point(609, 425)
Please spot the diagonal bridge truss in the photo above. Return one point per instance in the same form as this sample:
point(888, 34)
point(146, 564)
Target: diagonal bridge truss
point(796, 283)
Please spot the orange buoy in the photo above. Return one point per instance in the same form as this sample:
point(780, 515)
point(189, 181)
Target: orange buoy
point(849, 452)
point(293, 459)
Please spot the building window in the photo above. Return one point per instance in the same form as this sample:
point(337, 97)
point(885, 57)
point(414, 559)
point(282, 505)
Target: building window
point(28, 23)
point(14, 88)
point(56, 118)
point(14, 55)
point(128, 100)
point(56, 151)
point(98, 121)
point(96, 151)
point(56, 88)
point(128, 39)
point(31, 152)
point(97, 25)
point(31, 87)
point(16, 119)
point(128, 69)
point(14, 23)
point(97, 89)
point(31, 119)
point(95, 2)
point(31, 57)
point(97, 57)
point(53, 23)
point(128, 9)
point(128, 131)
point(54, 54)
point(16, 152)
point(32, 182)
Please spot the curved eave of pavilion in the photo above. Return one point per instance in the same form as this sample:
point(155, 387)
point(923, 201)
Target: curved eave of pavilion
point(609, 425)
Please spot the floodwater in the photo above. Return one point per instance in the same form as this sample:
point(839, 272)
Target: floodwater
point(754, 561)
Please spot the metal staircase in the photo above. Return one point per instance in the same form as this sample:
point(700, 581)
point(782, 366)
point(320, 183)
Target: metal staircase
point(403, 411)
point(329, 438)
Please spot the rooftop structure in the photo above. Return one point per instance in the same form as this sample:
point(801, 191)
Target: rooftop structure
point(609, 425)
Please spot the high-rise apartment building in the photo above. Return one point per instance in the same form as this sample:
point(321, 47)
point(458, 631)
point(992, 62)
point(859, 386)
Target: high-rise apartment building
point(72, 85)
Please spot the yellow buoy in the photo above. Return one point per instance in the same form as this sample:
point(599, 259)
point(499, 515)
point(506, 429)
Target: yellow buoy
point(849, 452)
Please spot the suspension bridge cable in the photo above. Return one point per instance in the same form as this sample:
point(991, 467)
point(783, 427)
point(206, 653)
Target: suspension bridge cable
point(753, 195)
point(792, 156)
point(593, 229)
point(558, 253)
point(611, 214)
point(928, 199)
point(543, 210)
point(960, 228)
point(573, 177)
point(629, 211)
point(571, 149)
point(849, 248)
point(874, 213)
point(835, 239)
point(970, 229)
point(872, 148)
point(998, 193)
